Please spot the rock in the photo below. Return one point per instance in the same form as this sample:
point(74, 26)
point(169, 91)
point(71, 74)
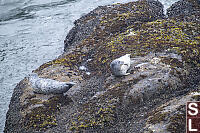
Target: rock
point(87, 24)
point(170, 116)
point(164, 70)
point(185, 10)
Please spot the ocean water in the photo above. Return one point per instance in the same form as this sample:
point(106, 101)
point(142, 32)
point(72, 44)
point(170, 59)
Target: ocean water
point(32, 32)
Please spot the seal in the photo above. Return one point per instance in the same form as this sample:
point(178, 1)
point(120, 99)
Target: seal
point(48, 86)
point(120, 66)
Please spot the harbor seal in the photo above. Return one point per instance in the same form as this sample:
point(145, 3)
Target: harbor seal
point(48, 86)
point(120, 66)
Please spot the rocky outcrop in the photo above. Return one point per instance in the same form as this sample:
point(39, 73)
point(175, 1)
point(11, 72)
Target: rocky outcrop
point(185, 10)
point(129, 13)
point(163, 74)
point(170, 116)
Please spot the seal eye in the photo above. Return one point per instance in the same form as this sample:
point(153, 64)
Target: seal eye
point(112, 65)
point(121, 62)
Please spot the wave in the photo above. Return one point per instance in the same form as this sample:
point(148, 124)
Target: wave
point(25, 10)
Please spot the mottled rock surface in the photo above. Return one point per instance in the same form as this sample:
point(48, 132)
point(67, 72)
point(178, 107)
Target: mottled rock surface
point(164, 73)
point(123, 15)
point(185, 10)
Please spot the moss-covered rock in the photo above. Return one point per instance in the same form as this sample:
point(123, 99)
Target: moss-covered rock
point(115, 18)
point(36, 111)
point(171, 116)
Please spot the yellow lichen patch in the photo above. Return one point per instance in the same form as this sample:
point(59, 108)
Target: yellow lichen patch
point(93, 117)
point(172, 35)
point(197, 37)
point(40, 119)
point(71, 60)
point(115, 36)
point(160, 35)
point(111, 38)
point(103, 113)
point(119, 19)
point(44, 117)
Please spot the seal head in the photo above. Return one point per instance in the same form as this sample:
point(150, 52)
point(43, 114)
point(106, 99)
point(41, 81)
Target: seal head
point(120, 66)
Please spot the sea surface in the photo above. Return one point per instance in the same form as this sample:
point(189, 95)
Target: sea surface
point(31, 33)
